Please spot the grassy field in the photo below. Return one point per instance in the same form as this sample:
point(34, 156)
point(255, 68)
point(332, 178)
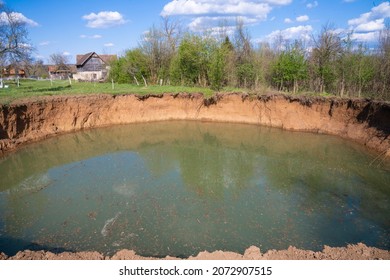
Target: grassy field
point(31, 88)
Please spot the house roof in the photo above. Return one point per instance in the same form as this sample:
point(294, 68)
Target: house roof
point(81, 59)
point(11, 70)
point(62, 68)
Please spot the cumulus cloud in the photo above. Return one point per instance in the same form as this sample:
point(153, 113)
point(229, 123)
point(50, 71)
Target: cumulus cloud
point(288, 20)
point(301, 32)
point(218, 23)
point(373, 25)
point(16, 17)
point(208, 14)
point(66, 53)
point(312, 5)
point(365, 37)
point(219, 7)
point(104, 19)
point(381, 11)
point(109, 44)
point(302, 18)
point(367, 25)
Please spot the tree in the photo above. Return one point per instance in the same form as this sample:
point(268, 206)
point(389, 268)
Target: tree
point(134, 66)
point(14, 43)
point(36, 68)
point(326, 49)
point(217, 68)
point(159, 45)
point(191, 64)
point(290, 68)
point(244, 62)
point(59, 59)
point(384, 60)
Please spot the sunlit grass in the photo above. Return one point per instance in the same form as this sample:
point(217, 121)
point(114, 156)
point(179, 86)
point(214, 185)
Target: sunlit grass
point(33, 88)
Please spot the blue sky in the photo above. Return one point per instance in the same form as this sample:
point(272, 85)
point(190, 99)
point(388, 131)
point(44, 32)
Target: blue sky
point(76, 27)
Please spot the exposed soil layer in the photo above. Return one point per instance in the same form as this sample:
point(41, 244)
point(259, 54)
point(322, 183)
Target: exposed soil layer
point(351, 252)
point(363, 121)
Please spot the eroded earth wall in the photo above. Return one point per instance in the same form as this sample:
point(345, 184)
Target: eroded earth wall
point(363, 121)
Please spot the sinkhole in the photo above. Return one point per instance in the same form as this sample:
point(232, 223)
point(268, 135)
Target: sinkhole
point(177, 188)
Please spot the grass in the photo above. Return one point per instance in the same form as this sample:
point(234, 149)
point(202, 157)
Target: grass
point(33, 88)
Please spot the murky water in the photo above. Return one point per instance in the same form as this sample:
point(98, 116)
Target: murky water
point(177, 188)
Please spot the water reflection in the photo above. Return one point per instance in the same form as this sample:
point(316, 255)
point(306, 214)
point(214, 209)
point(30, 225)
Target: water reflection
point(181, 187)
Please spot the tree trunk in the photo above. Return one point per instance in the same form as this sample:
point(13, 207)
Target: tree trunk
point(146, 84)
point(342, 87)
point(136, 81)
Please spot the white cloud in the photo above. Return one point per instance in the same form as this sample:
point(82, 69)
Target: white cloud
point(104, 19)
point(207, 15)
point(312, 5)
point(16, 17)
point(109, 45)
point(66, 53)
point(367, 25)
point(374, 25)
point(381, 11)
point(96, 36)
point(349, 1)
point(288, 20)
point(298, 32)
point(365, 37)
point(219, 7)
point(200, 24)
point(44, 43)
point(302, 18)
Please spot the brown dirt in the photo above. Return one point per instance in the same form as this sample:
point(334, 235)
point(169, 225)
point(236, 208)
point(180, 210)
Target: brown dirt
point(351, 252)
point(363, 121)
point(366, 122)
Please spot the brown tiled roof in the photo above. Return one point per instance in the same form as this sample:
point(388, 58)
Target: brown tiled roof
point(82, 58)
point(62, 68)
point(12, 71)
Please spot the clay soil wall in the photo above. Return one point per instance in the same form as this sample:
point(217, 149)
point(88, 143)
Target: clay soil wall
point(363, 121)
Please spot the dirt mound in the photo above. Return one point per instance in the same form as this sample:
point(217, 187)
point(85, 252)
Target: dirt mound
point(351, 252)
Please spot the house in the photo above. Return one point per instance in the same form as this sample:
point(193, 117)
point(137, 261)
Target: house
point(92, 66)
point(62, 71)
point(12, 72)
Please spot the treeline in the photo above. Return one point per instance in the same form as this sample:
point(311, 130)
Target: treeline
point(330, 63)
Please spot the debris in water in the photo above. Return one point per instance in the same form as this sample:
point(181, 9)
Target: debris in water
point(106, 230)
point(92, 215)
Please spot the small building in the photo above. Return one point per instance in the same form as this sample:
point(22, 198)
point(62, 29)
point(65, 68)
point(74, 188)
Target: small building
point(62, 71)
point(93, 67)
point(12, 72)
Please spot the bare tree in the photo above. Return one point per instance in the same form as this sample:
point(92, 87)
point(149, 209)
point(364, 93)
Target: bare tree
point(14, 43)
point(160, 45)
point(327, 46)
point(384, 58)
point(59, 59)
point(242, 42)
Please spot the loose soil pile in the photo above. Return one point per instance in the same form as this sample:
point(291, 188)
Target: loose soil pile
point(351, 252)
